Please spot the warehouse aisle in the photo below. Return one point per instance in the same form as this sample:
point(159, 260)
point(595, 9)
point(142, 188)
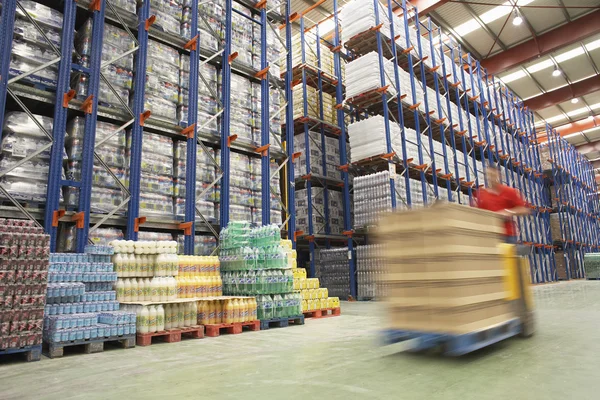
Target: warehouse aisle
point(337, 358)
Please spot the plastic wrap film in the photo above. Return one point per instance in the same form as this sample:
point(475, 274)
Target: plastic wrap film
point(319, 221)
point(333, 271)
point(30, 50)
point(370, 270)
point(315, 156)
point(21, 137)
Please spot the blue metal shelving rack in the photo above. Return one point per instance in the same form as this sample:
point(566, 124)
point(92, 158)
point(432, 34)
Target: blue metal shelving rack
point(304, 76)
point(575, 201)
point(141, 28)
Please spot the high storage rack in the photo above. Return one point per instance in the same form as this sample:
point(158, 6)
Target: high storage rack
point(449, 98)
point(573, 193)
point(321, 203)
point(32, 91)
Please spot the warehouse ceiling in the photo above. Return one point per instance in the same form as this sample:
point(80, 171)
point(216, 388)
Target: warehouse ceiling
point(562, 35)
point(551, 59)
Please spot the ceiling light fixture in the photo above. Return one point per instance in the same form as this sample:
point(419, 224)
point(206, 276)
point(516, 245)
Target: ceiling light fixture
point(517, 20)
point(574, 100)
point(556, 72)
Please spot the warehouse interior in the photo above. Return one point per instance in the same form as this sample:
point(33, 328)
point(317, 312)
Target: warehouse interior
point(345, 198)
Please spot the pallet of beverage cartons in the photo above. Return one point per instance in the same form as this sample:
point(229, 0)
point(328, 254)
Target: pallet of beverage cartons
point(445, 279)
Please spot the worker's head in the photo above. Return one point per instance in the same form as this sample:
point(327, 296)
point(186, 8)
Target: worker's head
point(492, 175)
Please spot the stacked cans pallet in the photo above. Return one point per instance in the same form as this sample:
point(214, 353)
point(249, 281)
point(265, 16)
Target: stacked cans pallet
point(333, 271)
point(24, 252)
point(81, 303)
point(106, 192)
point(22, 137)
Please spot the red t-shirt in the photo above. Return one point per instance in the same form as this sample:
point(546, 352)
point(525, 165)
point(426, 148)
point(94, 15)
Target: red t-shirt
point(506, 198)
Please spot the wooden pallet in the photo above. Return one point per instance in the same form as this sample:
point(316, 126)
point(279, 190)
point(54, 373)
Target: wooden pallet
point(171, 335)
point(90, 346)
point(281, 322)
point(32, 353)
point(214, 330)
point(454, 344)
point(323, 313)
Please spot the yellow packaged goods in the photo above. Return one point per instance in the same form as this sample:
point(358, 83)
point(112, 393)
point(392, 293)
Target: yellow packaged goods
point(324, 304)
point(302, 273)
point(303, 283)
point(333, 302)
point(304, 305)
point(296, 284)
point(324, 293)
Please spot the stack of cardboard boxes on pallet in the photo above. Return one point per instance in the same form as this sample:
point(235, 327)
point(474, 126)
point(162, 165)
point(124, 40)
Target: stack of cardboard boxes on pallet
point(445, 271)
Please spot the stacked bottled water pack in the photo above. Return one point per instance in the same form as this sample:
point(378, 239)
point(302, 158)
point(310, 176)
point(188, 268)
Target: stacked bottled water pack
point(253, 262)
point(370, 269)
point(156, 181)
point(204, 245)
point(275, 116)
point(333, 270)
point(119, 73)
point(80, 301)
point(208, 105)
point(22, 137)
point(211, 16)
point(169, 15)
point(106, 192)
point(205, 176)
point(162, 81)
point(274, 192)
point(372, 197)
point(30, 49)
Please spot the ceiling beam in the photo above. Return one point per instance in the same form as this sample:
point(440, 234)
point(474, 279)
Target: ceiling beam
point(548, 42)
point(565, 93)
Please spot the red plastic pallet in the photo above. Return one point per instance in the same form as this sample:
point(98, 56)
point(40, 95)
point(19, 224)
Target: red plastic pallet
point(324, 313)
point(171, 335)
point(214, 330)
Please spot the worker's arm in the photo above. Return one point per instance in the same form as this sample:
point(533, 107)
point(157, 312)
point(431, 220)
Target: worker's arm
point(518, 207)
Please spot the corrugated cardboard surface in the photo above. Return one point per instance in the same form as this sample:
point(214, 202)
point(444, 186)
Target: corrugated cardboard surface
point(443, 268)
point(455, 320)
point(445, 271)
point(442, 216)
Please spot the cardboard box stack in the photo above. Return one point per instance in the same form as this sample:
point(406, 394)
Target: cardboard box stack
point(445, 271)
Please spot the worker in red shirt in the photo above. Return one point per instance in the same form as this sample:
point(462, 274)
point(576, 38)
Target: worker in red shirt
point(503, 200)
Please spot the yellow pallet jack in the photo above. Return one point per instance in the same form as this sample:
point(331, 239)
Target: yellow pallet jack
point(518, 285)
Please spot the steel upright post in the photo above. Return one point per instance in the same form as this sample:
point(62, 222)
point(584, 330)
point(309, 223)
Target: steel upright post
point(192, 141)
point(60, 119)
point(87, 162)
point(289, 128)
point(225, 120)
point(140, 115)
point(7, 26)
point(265, 121)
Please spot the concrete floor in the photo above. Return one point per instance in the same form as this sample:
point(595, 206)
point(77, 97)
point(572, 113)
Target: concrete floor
point(337, 358)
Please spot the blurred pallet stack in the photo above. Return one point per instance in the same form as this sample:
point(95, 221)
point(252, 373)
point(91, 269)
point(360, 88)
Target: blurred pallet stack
point(445, 272)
